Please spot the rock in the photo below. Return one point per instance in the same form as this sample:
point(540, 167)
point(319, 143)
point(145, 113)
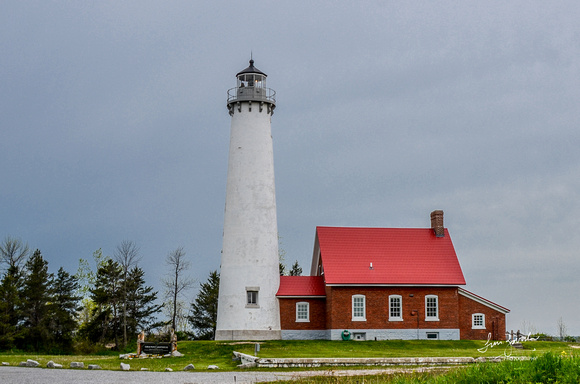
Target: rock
point(32, 363)
point(23, 364)
point(5, 363)
point(76, 364)
point(94, 366)
point(167, 355)
point(52, 364)
point(143, 356)
point(168, 370)
point(125, 367)
point(189, 367)
point(176, 354)
point(144, 369)
point(123, 356)
point(213, 367)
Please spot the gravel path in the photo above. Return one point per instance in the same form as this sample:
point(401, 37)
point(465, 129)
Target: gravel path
point(20, 375)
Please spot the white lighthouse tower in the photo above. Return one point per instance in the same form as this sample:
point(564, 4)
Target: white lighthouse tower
point(249, 276)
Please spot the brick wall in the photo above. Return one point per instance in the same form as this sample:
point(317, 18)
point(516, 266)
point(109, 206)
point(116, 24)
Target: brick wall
point(288, 314)
point(339, 305)
point(335, 312)
point(494, 321)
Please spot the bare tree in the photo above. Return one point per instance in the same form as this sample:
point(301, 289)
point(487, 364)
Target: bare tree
point(175, 283)
point(13, 252)
point(562, 329)
point(528, 328)
point(281, 257)
point(181, 316)
point(127, 255)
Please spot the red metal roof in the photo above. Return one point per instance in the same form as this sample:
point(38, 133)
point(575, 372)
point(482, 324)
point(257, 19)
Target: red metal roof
point(301, 286)
point(413, 256)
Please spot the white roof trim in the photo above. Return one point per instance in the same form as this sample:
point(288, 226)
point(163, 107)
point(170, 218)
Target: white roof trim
point(483, 301)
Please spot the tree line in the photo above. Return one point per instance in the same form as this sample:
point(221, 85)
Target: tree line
point(107, 304)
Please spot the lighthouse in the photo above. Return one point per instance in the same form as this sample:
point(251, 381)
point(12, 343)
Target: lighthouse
point(249, 276)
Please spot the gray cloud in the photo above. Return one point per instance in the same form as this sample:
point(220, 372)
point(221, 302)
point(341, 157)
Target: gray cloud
point(114, 127)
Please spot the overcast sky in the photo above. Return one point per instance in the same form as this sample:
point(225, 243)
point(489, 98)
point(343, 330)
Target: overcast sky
point(114, 127)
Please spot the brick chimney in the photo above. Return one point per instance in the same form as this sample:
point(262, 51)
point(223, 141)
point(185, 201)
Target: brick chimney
point(437, 223)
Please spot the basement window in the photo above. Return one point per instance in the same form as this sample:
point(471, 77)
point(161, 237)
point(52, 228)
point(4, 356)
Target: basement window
point(433, 335)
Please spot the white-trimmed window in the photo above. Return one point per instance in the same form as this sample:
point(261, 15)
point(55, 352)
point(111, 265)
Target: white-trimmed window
point(302, 311)
point(395, 308)
point(431, 308)
point(252, 297)
point(358, 308)
point(478, 321)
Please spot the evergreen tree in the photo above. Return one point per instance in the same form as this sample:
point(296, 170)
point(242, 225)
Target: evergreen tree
point(36, 295)
point(64, 309)
point(105, 323)
point(127, 256)
point(10, 313)
point(296, 269)
point(204, 310)
point(107, 320)
point(141, 306)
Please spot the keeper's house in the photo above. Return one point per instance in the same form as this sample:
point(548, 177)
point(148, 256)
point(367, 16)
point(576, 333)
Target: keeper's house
point(385, 283)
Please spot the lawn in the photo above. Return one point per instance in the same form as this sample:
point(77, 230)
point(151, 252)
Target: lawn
point(546, 368)
point(204, 353)
point(401, 348)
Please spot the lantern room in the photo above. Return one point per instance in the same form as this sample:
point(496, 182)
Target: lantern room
point(251, 77)
point(251, 86)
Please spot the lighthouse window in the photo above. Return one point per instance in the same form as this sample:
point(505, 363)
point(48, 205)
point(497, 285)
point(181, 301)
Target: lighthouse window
point(252, 297)
point(257, 81)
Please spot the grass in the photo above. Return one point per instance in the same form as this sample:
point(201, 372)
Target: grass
point(547, 368)
point(399, 348)
point(204, 353)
